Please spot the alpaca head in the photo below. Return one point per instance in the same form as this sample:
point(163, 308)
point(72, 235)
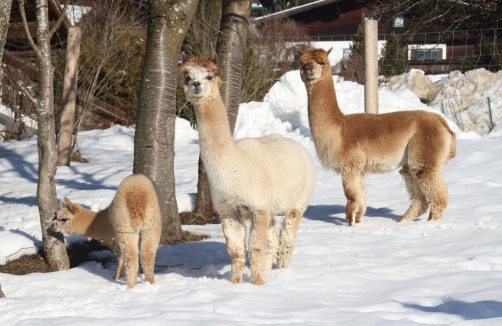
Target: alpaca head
point(314, 63)
point(201, 78)
point(65, 216)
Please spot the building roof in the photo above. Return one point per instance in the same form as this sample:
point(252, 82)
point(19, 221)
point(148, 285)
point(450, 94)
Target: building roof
point(296, 10)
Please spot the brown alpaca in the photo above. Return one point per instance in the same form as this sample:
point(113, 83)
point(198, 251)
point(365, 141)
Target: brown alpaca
point(250, 179)
point(133, 218)
point(417, 141)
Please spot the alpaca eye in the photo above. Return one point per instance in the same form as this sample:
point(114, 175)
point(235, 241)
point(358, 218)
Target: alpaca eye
point(209, 78)
point(64, 220)
point(187, 79)
point(321, 64)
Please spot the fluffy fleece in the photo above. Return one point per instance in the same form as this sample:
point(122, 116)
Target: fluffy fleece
point(417, 141)
point(250, 179)
point(133, 218)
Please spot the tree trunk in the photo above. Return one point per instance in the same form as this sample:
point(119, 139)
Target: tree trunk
point(230, 49)
point(54, 246)
point(5, 7)
point(155, 123)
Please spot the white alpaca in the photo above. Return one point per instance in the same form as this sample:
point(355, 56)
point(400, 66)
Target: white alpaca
point(133, 218)
point(252, 178)
point(420, 142)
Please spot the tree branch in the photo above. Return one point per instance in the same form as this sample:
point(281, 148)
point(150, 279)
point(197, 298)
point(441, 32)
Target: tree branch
point(27, 92)
point(25, 26)
point(60, 19)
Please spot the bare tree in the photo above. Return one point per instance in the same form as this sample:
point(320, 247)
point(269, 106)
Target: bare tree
point(270, 50)
point(5, 7)
point(155, 124)
point(54, 247)
point(111, 59)
point(445, 15)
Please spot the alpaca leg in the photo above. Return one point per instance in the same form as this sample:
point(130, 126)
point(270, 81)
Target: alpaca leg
point(431, 182)
point(148, 249)
point(235, 236)
point(272, 245)
point(128, 243)
point(355, 192)
point(287, 237)
point(419, 204)
point(258, 245)
point(119, 271)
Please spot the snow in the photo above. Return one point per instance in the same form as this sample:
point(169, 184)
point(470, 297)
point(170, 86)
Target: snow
point(377, 273)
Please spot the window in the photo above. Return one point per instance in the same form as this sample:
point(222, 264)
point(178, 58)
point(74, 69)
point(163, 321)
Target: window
point(399, 21)
point(427, 54)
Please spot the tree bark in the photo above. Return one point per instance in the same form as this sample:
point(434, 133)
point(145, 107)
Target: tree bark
point(5, 8)
point(155, 123)
point(54, 246)
point(230, 49)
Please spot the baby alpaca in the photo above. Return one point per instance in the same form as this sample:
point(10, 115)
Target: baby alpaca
point(252, 178)
point(134, 218)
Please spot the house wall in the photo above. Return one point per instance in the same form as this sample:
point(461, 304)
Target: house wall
point(342, 18)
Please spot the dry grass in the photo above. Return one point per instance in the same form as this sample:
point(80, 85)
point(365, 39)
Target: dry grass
point(78, 253)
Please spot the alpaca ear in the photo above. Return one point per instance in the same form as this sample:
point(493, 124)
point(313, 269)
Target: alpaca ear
point(183, 58)
point(69, 204)
point(328, 52)
point(60, 206)
point(214, 58)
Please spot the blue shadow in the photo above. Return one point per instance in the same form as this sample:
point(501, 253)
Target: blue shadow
point(466, 310)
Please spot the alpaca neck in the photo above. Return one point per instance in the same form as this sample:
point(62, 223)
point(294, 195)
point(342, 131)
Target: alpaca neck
point(93, 224)
point(323, 106)
point(323, 110)
point(215, 138)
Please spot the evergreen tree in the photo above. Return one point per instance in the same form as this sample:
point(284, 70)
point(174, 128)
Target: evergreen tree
point(394, 55)
point(357, 45)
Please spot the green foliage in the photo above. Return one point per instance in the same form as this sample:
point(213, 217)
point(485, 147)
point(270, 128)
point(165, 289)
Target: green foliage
point(357, 45)
point(394, 55)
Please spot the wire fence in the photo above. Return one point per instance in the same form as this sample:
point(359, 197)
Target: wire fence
point(475, 116)
point(432, 53)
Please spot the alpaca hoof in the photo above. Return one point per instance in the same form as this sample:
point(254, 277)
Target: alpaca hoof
point(282, 263)
point(433, 217)
point(236, 280)
point(259, 280)
point(403, 218)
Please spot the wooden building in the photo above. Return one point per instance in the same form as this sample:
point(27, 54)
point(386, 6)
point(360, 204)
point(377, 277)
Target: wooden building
point(333, 24)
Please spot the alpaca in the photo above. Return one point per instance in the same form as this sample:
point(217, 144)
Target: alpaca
point(133, 218)
point(250, 179)
point(419, 142)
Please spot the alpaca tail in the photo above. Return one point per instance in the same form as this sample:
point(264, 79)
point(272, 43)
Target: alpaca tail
point(453, 142)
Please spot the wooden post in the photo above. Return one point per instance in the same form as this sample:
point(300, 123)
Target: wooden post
point(371, 65)
point(69, 96)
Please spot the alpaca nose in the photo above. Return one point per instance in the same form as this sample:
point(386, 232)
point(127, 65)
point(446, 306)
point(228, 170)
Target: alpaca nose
point(196, 84)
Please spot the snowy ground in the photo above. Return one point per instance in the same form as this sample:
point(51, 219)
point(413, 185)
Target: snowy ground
point(377, 273)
